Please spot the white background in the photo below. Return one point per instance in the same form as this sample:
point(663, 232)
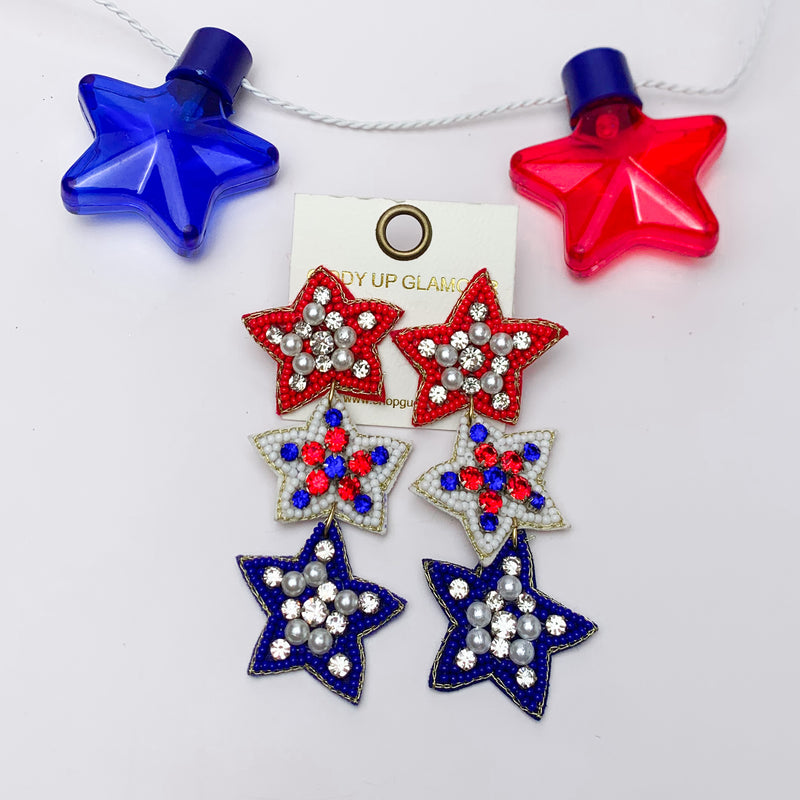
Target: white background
point(130, 387)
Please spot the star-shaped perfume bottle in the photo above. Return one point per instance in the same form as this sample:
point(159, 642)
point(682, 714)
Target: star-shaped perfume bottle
point(317, 613)
point(325, 337)
point(327, 465)
point(502, 628)
point(474, 359)
point(170, 153)
point(621, 180)
point(493, 484)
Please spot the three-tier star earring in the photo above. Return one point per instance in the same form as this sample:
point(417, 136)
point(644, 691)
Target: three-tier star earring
point(317, 611)
point(501, 626)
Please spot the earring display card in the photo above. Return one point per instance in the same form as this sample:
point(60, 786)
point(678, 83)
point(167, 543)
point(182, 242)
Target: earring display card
point(340, 233)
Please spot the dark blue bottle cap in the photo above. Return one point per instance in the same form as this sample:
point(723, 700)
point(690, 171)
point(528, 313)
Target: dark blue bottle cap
point(598, 74)
point(216, 59)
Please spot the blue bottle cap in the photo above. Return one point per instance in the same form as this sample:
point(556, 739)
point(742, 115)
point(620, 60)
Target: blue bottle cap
point(598, 74)
point(216, 59)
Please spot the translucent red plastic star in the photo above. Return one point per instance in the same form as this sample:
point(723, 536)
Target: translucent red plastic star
point(326, 336)
point(477, 355)
point(622, 180)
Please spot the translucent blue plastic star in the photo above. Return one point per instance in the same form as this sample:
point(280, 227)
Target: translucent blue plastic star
point(170, 153)
point(502, 628)
point(317, 615)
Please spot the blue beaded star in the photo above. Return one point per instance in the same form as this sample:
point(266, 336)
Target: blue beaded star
point(341, 667)
point(553, 628)
point(167, 153)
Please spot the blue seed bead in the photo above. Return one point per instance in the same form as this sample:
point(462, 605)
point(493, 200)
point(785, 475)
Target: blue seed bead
point(290, 451)
point(301, 498)
point(537, 501)
point(531, 451)
point(489, 522)
point(334, 467)
point(362, 503)
point(494, 478)
point(333, 417)
point(449, 481)
point(478, 432)
point(380, 455)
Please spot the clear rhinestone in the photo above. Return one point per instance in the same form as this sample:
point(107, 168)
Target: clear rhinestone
point(314, 611)
point(459, 589)
point(501, 401)
point(526, 677)
point(324, 364)
point(522, 340)
point(274, 334)
point(336, 623)
point(512, 565)
point(500, 647)
point(471, 358)
point(272, 576)
point(322, 343)
point(555, 624)
point(360, 369)
point(367, 321)
point(466, 659)
point(290, 608)
point(302, 329)
point(333, 321)
point(494, 601)
point(437, 395)
point(369, 602)
point(280, 649)
point(459, 340)
point(478, 312)
point(339, 665)
point(322, 295)
point(526, 603)
point(426, 348)
point(327, 592)
point(504, 624)
point(471, 386)
point(324, 550)
point(500, 365)
point(297, 382)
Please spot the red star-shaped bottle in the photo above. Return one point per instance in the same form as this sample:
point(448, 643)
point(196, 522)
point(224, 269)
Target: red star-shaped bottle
point(326, 336)
point(621, 180)
point(476, 356)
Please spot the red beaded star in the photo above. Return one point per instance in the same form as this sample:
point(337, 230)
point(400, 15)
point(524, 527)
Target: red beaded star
point(622, 180)
point(477, 355)
point(326, 336)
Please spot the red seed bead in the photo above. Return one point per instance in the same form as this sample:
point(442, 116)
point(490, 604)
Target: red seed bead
point(317, 482)
point(313, 453)
point(360, 462)
point(486, 454)
point(490, 501)
point(471, 478)
point(518, 487)
point(511, 462)
point(336, 439)
point(349, 487)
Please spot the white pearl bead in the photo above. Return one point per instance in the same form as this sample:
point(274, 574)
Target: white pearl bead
point(342, 359)
point(509, 587)
point(479, 333)
point(479, 640)
point(313, 313)
point(319, 641)
point(446, 355)
point(293, 584)
point(296, 631)
point(303, 363)
point(528, 626)
point(479, 614)
point(452, 378)
point(315, 573)
point(346, 602)
point(344, 337)
point(521, 652)
point(501, 344)
point(291, 344)
point(491, 383)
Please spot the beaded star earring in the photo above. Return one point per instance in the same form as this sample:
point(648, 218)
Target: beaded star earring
point(501, 627)
point(325, 344)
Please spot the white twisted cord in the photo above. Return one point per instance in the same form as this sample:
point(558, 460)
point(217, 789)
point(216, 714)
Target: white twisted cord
point(454, 119)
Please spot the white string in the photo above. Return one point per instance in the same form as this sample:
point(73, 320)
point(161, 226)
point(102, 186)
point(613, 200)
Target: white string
point(469, 116)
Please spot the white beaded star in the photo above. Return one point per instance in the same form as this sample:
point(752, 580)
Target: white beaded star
point(294, 473)
point(465, 504)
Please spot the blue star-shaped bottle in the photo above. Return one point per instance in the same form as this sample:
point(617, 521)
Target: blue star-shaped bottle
point(502, 628)
point(170, 153)
point(317, 613)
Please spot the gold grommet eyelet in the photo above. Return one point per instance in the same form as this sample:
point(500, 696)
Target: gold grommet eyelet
point(404, 209)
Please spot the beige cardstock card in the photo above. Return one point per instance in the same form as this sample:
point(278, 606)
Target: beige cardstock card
point(339, 233)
